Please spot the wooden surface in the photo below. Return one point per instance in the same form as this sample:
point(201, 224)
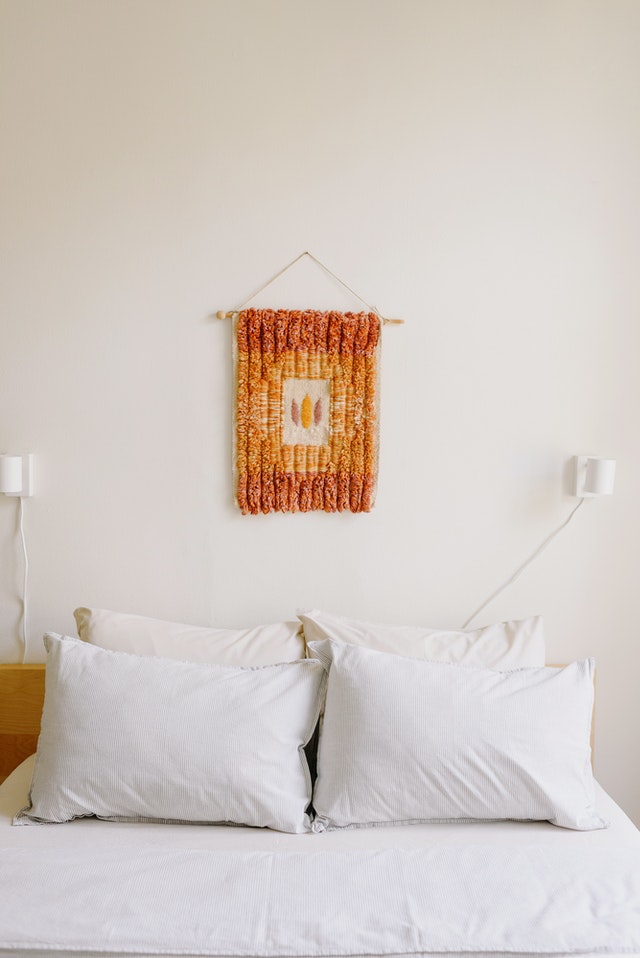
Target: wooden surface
point(21, 699)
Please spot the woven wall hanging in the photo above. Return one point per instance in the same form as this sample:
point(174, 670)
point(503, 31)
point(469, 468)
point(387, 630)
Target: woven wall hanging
point(307, 409)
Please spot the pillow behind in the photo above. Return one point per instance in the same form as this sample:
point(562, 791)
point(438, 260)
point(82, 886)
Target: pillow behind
point(132, 738)
point(507, 645)
point(405, 741)
point(121, 632)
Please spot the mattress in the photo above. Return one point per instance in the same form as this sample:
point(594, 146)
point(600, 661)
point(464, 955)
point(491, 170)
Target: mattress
point(98, 888)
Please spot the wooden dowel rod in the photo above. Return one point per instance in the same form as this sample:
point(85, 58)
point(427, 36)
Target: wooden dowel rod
point(221, 314)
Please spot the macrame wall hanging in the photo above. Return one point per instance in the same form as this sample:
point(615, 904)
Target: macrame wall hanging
point(307, 407)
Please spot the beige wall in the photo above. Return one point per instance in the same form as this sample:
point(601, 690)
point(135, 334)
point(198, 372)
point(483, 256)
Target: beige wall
point(470, 166)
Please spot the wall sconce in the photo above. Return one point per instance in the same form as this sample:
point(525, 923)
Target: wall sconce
point(16, 475)
point(593, 477)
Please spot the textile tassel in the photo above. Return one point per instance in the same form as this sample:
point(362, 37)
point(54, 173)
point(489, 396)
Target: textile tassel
point(306, 410)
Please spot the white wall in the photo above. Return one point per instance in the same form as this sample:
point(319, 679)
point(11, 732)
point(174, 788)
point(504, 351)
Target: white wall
point(468, 165)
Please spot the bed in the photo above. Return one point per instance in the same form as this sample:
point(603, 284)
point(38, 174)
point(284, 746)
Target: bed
point(460, 858)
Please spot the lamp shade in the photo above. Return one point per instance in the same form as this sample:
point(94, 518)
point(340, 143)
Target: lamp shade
point(10, 474)
point(600, 477)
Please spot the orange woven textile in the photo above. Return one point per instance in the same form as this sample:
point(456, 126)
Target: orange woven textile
point(306, 410)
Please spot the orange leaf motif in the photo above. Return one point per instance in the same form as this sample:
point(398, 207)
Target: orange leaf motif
point(307, 412)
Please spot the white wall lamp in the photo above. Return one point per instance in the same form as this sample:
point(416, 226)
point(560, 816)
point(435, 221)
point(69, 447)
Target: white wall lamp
point(16, 475)
point(593, 477)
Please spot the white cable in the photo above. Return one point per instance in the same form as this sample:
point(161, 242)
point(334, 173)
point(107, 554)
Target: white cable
point(24, 589)
point(524, 565)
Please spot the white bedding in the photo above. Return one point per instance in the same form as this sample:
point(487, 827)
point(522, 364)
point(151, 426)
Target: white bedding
point(103, 888)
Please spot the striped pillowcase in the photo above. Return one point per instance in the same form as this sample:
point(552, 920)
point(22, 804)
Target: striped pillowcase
point(405, 741)
point(137, 738)
point(140, 635)
point(516, 644)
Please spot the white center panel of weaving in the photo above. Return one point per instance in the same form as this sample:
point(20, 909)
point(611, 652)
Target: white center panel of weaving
point(306, 406)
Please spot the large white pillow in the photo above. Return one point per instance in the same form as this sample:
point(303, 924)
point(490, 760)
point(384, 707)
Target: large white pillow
point(122, 632)
point(506, 645)
point(134, 738)
point(405, 741)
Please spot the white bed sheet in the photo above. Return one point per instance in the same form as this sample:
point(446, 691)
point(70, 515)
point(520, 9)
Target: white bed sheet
point(53, 894)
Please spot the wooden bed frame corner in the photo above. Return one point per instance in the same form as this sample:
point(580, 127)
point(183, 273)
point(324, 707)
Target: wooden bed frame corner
point(21, 700)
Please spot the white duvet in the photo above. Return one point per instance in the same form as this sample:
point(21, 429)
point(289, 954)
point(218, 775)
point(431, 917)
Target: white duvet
point(96, 888)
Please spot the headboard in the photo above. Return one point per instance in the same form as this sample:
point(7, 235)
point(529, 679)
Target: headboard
point(21, 700)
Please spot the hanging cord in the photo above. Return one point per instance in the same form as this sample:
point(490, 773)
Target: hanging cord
point(543, 545)
point(344, 285)
point(270, 281)
point(26, 575)
point(229, 315)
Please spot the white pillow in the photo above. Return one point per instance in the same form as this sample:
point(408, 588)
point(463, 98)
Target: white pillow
point(407, 741)
point(134, 738)
point(261, 645)
point(506, 645)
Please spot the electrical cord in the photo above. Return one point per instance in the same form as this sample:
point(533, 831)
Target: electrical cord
point(26, 577)
point(543, 545)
